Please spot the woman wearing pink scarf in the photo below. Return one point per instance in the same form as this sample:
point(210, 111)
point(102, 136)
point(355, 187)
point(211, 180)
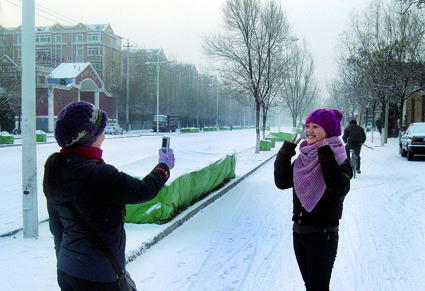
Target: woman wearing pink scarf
point(320, 178)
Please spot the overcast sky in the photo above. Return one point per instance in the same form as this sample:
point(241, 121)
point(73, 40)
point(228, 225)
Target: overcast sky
point(178, 26)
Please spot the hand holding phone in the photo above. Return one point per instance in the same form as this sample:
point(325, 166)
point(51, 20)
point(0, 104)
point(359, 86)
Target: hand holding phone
point(165, 144)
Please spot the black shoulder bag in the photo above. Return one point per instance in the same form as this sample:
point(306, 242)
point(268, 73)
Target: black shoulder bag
point(124, 280)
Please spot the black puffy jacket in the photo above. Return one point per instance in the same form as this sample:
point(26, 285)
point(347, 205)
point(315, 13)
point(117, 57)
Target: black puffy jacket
point(99, 192)
point(354, 136)
point(328, 210)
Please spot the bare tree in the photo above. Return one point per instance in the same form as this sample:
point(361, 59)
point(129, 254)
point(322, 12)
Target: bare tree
point(299, 90)
point(248, 50)
point(10, 92)
point(410, 3)
point(383, 53)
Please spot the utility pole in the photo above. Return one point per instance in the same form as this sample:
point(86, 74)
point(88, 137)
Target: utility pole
point(127, 119)
point(29, 154)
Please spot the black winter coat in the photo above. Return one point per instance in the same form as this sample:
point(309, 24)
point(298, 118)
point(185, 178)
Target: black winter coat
point(328, 210)
point(99, 192)
point(354, 136)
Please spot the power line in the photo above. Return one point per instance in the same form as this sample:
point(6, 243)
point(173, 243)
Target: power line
point(46, 13)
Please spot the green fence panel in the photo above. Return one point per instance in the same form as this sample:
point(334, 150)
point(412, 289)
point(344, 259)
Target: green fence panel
point(189, 129)
point(265, 145)
point(182, 192)
point(297, 130)
point(271, 138)
point(6, 138)
point(282, 136)
point(40, 136)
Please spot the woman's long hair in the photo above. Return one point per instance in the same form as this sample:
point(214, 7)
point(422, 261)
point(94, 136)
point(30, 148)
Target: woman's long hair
point(51, 175)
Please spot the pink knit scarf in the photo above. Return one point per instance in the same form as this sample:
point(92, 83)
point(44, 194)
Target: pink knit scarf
point(309, 184)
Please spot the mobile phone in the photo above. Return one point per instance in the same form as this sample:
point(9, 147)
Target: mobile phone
point(165, 144)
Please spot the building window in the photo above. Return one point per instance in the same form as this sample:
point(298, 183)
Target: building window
point(80, 38)
point(93, 37)
point(69, 59)
point(43, 54)
point(79, 52)
point(19, 39)
point(94, 51)
point(43, 38)
point(97, 67)
point(58, 38)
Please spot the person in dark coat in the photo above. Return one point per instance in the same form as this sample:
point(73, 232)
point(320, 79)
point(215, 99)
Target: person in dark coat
point(354, 137)
point(320, 178)
point(99, 191)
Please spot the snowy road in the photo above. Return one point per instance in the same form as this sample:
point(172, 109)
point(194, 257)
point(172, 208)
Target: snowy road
point(136, 155)
point(243, 241)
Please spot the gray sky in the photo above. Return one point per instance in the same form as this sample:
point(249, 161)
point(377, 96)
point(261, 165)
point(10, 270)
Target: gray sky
point(178, 26)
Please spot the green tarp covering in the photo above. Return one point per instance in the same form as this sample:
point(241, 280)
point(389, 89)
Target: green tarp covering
point(282, 136)
point(182, 192)
point(40, 136)
point(271, 138)
point(265, 145)
point(6, 138)
point(189, 129)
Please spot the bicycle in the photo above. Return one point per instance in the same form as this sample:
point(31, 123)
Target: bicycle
point(353, 162)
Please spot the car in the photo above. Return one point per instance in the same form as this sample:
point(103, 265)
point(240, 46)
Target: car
point(412, 141)
point(113, 128)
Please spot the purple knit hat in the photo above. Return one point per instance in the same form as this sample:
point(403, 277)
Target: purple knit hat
point(330, 120)
point(79, 123)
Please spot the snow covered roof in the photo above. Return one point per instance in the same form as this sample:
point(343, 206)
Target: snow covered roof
point(68, 70)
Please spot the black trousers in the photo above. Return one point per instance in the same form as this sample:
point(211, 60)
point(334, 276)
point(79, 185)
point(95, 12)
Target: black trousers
point(315, 253)
point(70, 283)
point(357, 151)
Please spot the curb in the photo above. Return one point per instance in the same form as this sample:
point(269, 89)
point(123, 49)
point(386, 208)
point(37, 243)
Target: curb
point(180, 221)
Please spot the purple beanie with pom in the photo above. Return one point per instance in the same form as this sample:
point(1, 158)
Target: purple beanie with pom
point(330, 120)
point(79, 123)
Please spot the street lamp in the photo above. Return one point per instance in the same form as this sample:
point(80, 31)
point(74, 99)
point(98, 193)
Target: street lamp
point(158, 66)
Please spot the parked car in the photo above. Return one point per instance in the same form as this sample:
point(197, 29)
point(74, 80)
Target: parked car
point(412, 141)
point(113, 128)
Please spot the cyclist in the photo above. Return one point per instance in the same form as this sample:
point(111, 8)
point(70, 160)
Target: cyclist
point(354, 137)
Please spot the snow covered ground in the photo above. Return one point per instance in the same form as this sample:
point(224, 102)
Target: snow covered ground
point(243, 240)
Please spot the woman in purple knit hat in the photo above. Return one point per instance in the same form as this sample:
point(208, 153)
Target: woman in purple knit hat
point(86, 196)
point(320, 178)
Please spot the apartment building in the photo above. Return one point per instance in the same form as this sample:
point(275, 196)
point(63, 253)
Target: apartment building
point(94, 43)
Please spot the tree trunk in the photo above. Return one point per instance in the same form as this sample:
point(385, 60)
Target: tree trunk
point(257, 126)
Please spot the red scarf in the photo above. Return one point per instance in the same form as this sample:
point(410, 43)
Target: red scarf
point(87, 152)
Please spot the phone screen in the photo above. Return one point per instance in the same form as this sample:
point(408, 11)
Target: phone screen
point(164, 142)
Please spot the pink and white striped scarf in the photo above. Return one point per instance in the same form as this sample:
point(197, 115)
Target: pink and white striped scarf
point(309, 183)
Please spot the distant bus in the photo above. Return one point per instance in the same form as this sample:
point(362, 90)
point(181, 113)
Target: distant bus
point(166, 123)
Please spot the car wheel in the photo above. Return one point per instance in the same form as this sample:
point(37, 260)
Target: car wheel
point(409, 156)
point(403, 153)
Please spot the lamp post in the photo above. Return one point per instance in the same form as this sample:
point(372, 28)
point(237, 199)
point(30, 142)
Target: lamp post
point(158, 66)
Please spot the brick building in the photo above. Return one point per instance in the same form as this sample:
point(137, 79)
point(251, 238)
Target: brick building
point(58, 44)
point(415, 108)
